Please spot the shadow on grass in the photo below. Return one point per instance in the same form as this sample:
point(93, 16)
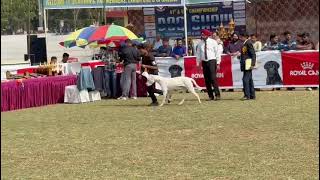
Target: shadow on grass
point(125, 105)
point(174, 102)
point(139, 105)
point(205, 99)
point(229, 99)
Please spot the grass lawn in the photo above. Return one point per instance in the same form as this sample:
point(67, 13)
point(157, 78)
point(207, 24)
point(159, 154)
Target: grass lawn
point(274, 137)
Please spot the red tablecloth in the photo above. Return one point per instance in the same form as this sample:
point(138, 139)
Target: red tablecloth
point(29, 70)
point(47, 90)
point(34, 92)
point(93, 64)
point(33, 69)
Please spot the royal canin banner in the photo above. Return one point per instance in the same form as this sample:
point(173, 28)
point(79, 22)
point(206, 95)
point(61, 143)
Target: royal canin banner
point(224, 73)
point(300, 68)
point(274, 69)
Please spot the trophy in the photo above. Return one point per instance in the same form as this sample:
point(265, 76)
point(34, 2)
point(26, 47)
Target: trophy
point(225, 33)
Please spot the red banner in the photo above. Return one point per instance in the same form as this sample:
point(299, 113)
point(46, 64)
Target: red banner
point(300, 68)
point(224, 73)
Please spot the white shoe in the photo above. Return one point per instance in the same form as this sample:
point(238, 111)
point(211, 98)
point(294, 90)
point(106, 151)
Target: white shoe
point(122, 98)
point(309, 89)
point(134, 98)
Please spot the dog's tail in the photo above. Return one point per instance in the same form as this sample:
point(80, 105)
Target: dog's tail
point(196, 85)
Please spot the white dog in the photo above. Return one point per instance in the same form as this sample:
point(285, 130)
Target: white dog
point(168, 85)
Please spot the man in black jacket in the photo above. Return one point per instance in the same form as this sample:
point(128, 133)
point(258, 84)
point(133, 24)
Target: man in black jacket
point(149, 65)
point(247, 54)
point(130, 57)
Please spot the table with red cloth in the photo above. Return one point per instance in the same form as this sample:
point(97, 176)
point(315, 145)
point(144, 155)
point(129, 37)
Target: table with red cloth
point(29, 70)
point(93, 64)
point(20, 94)
point(17, 94)
point(33, 69)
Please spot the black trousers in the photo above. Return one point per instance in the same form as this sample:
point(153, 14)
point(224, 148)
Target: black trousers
point(248, 86)
point(210, 77)
point(151, 90)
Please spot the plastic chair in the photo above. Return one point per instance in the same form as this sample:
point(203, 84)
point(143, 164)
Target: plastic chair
point(74, 96)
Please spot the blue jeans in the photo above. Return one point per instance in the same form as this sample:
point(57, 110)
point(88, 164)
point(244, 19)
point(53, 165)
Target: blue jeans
point(111, 83)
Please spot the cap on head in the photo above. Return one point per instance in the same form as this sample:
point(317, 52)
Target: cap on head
point(206, 32)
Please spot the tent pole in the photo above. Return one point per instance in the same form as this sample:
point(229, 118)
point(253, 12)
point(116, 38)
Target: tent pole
point(45, 25)
point(104, 12)
point(185, 26)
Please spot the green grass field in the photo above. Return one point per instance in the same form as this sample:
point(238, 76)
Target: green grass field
point(274, 137)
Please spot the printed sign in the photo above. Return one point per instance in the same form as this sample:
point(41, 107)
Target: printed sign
point(149, 26)
point(274, 69)
point(170, 22)
point(300, 68)
point(72, 4)
point(149, 19)
point(208, 17)
point(148, 11)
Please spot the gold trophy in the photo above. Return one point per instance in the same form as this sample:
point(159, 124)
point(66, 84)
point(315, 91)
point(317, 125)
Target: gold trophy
point(225, 33)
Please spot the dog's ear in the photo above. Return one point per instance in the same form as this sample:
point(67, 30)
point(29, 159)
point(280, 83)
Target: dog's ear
point(274, 64)
point(271, 64)
point(173, 68)
point(267, 65)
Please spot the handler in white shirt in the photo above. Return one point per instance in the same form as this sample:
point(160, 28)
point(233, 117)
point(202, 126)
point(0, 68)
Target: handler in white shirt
point(208, 53)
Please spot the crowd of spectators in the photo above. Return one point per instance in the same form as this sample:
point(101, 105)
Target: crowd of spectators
point(284, 42)
point(301, 42)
